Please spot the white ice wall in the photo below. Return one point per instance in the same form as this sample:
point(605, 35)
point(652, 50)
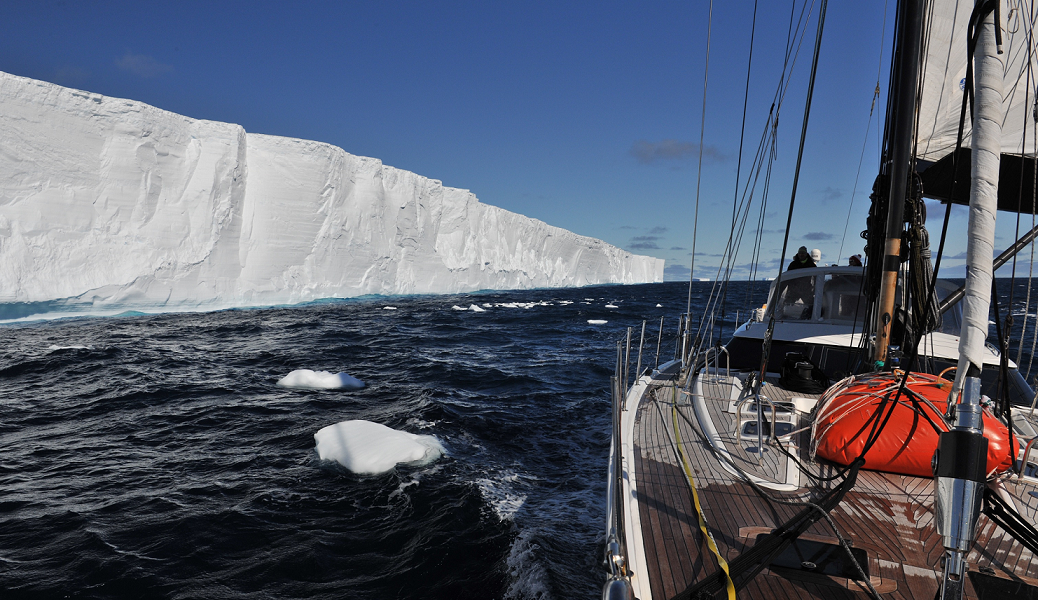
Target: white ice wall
point(119, 203)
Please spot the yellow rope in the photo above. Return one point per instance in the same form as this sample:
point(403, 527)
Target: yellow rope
point(729, 584)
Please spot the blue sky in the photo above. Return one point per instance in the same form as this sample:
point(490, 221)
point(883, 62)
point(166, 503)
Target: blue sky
point(585, 115)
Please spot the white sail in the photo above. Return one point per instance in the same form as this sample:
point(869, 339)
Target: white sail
point(987, 133)
point(944, 73)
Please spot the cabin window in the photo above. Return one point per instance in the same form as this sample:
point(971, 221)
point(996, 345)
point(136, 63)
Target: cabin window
point(796, 299)
point(842, 297)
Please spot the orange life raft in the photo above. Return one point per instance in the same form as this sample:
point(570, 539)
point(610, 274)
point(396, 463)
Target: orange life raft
point(906, 443)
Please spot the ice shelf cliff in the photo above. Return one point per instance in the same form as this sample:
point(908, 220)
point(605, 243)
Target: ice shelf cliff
point(111, 202)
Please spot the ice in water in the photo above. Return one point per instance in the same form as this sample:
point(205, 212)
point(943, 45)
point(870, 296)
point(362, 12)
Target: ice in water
point(596, 322)
point(370, 448)
point(319, 380)
point(476, 308)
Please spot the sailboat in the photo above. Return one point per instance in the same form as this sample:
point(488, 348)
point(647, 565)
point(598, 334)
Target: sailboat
point(845, 443)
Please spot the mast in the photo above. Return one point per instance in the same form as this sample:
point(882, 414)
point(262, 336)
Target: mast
point(904, 93)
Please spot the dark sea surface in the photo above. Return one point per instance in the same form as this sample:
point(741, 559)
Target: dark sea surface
point(154, 456)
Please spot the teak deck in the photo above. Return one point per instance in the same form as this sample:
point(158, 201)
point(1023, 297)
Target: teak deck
point(890, 517)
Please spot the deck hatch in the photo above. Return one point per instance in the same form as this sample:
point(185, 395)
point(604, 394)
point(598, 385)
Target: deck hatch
point(820, 558)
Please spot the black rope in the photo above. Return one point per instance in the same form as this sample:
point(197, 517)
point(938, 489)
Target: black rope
point(1007, 517)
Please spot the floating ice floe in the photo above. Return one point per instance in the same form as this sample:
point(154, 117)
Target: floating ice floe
point(596, 322)
point(476, 308)
point(388, 308)
point(456, 307)
point(659, 306)
point(370, 448)
point(319, 380)
point(611, 306)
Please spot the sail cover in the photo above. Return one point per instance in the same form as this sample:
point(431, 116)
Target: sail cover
point(944, 80)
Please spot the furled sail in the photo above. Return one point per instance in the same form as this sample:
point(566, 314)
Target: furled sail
point(944, 80)
point(987, 121)
point(941, 102)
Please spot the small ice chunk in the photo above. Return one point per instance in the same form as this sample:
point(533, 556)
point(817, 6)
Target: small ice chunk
point(388, 308)
point(55, 347)
point(476, 308)
point(456, 307)
point(319, 380)
point(611, 306)
point(596, 322)
point(659, 306)
point(370, 448)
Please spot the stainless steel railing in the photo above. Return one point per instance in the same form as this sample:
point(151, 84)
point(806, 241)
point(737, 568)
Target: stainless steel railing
point(619, 585)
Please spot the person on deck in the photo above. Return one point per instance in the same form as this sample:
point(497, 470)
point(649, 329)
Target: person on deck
point(854, 261)
point(802, 260)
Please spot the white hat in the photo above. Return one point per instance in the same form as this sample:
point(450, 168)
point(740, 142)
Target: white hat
point(816, 255)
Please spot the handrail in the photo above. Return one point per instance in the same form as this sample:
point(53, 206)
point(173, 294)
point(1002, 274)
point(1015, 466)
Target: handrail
point(1023, 459)
point(616, 543)
point(616, 552)
point(659, 342)
point(616, 548)
point(627, 363)
point(716, 377)
point(641, 344)
point(757, 398)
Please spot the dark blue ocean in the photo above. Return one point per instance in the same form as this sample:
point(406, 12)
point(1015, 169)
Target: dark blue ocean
point(154, 457)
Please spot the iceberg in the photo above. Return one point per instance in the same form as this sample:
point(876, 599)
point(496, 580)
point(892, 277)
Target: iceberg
point(112, 203)
point(368, 448)
point(305, 379)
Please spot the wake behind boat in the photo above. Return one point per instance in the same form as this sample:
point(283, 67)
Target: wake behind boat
point(856, 436)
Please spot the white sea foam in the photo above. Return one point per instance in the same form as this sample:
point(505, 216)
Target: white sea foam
point(319, 380)
point(370, 448)
point(596, 322)
point(73, 347)
point(501, 496)
point(420, 423)
point(476, 308)
point(527, 573)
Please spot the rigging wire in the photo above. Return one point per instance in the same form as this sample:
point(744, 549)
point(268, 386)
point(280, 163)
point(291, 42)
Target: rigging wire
point(795, 39)
point(738, 167)
point(796, 180)
point(1029, 78)
point(868, 127)
point(699, 171)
